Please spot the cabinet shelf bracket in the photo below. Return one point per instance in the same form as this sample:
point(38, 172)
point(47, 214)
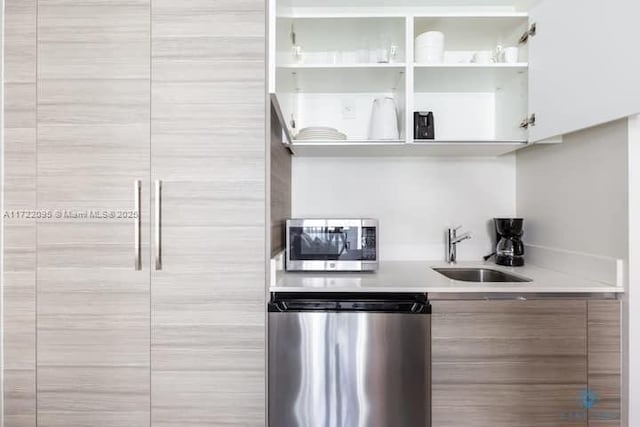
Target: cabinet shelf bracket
point(294, 79)
point(398, 81)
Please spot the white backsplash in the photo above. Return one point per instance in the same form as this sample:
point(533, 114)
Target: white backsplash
point(414, 199)
point(574, 195)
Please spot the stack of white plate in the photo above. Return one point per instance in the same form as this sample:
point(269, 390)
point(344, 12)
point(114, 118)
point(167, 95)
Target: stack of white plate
point(320, 133)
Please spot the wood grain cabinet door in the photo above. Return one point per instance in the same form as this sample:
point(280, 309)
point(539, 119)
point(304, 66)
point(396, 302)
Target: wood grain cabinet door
point(208, 151)
point(605, 363)
point(93, 142)
point(19, 233)
point(509, 363)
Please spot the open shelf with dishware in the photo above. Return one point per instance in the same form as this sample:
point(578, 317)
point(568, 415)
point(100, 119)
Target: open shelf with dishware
point(345, 116)
point(329, 72)
point(535, 37)
point(471, 73)
point(465, 66)
point(340, 41)
point(473, 103)
point(341, 99)
point(470, 39)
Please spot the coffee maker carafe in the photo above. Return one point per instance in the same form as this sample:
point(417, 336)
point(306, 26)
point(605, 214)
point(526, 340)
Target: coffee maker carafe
point(509, 249)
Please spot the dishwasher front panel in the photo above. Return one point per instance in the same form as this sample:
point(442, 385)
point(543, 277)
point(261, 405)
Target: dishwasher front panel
point(349, 369)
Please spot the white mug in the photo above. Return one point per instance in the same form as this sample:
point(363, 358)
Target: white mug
point(510, 55)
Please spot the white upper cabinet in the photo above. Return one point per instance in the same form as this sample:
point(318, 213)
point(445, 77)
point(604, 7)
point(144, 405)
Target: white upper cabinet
point(574, 67)
point(584, 67)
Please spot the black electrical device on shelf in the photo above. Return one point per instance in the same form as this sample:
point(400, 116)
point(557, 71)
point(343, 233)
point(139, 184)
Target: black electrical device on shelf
point(423, 126)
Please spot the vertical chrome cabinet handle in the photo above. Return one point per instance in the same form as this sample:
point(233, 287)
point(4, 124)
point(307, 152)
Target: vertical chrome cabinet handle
point(137, 225)
point(158, 230)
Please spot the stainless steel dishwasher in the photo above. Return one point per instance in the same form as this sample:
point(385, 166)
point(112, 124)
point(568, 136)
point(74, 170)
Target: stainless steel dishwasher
point(349, 360)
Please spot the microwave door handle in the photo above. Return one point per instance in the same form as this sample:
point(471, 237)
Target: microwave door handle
point(345, 243)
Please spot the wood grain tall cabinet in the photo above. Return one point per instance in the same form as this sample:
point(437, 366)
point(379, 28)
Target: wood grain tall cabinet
point(93, 143)
point(208, 169)
point(19, 234)
point(154, 108)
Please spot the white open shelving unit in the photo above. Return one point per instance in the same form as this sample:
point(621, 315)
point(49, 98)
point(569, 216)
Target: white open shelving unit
point(478, 108)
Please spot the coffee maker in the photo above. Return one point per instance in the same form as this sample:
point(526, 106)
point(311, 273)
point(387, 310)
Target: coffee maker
point(509, 247)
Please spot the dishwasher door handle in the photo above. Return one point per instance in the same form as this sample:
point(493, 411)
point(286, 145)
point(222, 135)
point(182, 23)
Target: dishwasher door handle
point(350, 302)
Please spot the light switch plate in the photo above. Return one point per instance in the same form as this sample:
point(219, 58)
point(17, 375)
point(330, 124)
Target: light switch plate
point(348, 108)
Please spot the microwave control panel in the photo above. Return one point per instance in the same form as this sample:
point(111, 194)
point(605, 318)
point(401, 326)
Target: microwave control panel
point(369, 244)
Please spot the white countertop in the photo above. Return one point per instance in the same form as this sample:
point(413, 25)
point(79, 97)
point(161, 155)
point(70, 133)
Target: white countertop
point(418, 276)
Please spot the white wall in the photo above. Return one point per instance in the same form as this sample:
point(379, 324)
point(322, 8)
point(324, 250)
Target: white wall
point(414, 199)
point(573, 195)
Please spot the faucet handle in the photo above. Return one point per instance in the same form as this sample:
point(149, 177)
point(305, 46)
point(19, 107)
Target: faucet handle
point(465, 236)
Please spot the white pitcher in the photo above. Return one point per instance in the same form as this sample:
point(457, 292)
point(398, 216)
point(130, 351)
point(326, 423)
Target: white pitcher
point(384, 120)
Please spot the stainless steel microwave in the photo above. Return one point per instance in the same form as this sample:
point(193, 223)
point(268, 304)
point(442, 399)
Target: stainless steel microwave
point(332, 245)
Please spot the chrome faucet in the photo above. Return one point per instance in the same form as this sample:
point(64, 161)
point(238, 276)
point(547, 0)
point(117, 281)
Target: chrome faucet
point(452, 242)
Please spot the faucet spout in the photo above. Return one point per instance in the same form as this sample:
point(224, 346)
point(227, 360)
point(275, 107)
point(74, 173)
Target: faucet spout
point(459, 239)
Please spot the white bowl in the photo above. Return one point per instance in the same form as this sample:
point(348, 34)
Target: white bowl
point(431, 38)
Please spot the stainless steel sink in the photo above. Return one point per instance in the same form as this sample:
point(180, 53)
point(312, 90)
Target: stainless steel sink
point(480, 275)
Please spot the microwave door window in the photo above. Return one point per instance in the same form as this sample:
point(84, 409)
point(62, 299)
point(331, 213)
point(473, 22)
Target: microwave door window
point(324, 243)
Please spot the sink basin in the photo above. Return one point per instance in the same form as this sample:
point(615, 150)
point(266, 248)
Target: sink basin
point(480, 275)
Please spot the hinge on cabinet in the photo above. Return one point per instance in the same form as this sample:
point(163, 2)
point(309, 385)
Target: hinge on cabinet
point(529, 33)
point(528, 121)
